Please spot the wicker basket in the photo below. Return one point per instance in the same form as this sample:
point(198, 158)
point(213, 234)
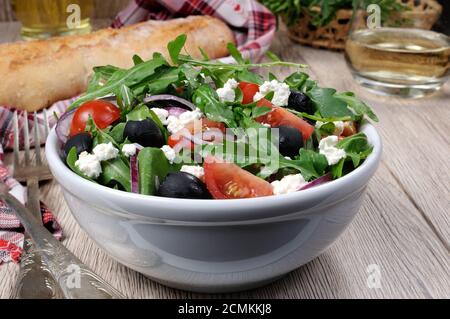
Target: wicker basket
point(424, 13)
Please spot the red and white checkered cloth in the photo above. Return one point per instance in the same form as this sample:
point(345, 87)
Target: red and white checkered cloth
point(253, 26)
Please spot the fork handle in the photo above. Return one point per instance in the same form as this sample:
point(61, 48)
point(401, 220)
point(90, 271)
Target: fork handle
point(75, 279)
point(35, 280)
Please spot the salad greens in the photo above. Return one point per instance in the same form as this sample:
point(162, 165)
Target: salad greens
point(292, 9)
point(197, 81)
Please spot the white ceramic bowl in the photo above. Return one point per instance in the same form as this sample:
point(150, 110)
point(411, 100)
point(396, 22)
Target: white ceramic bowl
point(214, 245)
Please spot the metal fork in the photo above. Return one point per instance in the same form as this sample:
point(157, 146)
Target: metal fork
point(58, 273)
point(35, 280)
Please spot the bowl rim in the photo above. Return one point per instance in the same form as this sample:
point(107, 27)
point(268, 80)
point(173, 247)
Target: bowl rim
point(207, 210)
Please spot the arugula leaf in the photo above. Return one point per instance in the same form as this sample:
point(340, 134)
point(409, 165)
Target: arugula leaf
point(358, 106)
point(337, 170)
point(327, 104)
point(235, 53)
point(137, 59)
point(117, 170)
point(174, 47)
point(117, 132)
point(125, 99)
point(207, 101)
point(327, 128)
point(161, 80)
point(247, 76)
point(130, 77)
point(272, 56)
point(153, 169)
point(356, 147)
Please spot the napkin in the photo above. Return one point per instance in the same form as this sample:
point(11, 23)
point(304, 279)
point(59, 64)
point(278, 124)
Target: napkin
point(253, 26)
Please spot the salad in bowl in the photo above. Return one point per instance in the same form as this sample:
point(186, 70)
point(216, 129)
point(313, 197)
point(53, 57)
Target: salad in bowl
point(202, 129)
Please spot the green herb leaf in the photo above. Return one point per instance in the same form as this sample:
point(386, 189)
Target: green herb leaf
point(327, 104)
point(130, 77)
point(235, 53)
point(208, 102)
point(137, 59)
point(174, 47)
point(358, 106)
point(117, 170)
point(153, 169)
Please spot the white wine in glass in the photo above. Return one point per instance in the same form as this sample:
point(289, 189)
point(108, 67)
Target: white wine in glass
point(45, 18)
point(398, 60)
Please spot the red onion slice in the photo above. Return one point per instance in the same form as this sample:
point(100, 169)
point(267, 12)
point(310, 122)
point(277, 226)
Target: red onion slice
point(321, 180)
point(168, 100)
point(175, 111)
point(134, 172)
point(63, 126)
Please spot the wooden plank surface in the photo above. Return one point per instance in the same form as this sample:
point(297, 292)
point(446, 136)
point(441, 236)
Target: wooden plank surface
point(403, 226)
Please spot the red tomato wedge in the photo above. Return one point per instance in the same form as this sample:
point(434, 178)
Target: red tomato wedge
point(280, 116)
point(206, 124)
point(349, 128)
point(179, 141)
point(248, 91)
point(103, 113)
point(229, 181)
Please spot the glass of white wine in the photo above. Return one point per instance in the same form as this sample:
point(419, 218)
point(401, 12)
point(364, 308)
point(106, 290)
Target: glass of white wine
point(46, 18)
point(392, 49)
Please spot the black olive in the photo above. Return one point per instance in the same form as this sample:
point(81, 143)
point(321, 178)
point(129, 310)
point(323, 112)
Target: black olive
point(145, 132)
point(290, 141)
point(183, 185)
point(82, 142)
point(300, 102)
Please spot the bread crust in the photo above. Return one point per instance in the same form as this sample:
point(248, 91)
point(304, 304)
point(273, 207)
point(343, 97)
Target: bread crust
point(36, 74)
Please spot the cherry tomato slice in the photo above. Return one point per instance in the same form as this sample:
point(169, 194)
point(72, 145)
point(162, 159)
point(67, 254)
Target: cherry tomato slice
point(280, 116)
point(178, 142)
point(103, 113)
point(229, 181)
point(248, 91)
point(349, 128)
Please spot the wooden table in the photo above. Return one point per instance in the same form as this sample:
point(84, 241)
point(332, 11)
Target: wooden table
point(403, 226)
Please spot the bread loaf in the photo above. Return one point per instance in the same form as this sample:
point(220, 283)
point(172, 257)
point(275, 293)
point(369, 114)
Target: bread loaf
point(36, 74)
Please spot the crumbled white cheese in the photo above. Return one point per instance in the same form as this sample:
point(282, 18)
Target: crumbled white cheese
point(89, 165)
point(195, 170)
point(227, 94)
point(162, 114)
point(169, 153)
point(281, 92)
point(339, 127)
point(288, 184)
point(105, 151)
point(129, 150)
point(175, 124)
point(327, 147)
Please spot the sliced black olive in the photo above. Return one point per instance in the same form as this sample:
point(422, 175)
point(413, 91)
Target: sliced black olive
point(290, 141)
point(183, 185)
point(82, 142)
point(300, 102)
point(145, 132)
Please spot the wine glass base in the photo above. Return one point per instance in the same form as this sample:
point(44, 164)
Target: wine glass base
point(398, 90)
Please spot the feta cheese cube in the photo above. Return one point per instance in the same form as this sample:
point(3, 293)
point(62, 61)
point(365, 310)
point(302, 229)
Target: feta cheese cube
point(105, 151)
point(169, 153)
point(288, 184)
point(280, 89)
point(195, 170)
point(327, 147)
point(89, 165)
point(129, 150)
